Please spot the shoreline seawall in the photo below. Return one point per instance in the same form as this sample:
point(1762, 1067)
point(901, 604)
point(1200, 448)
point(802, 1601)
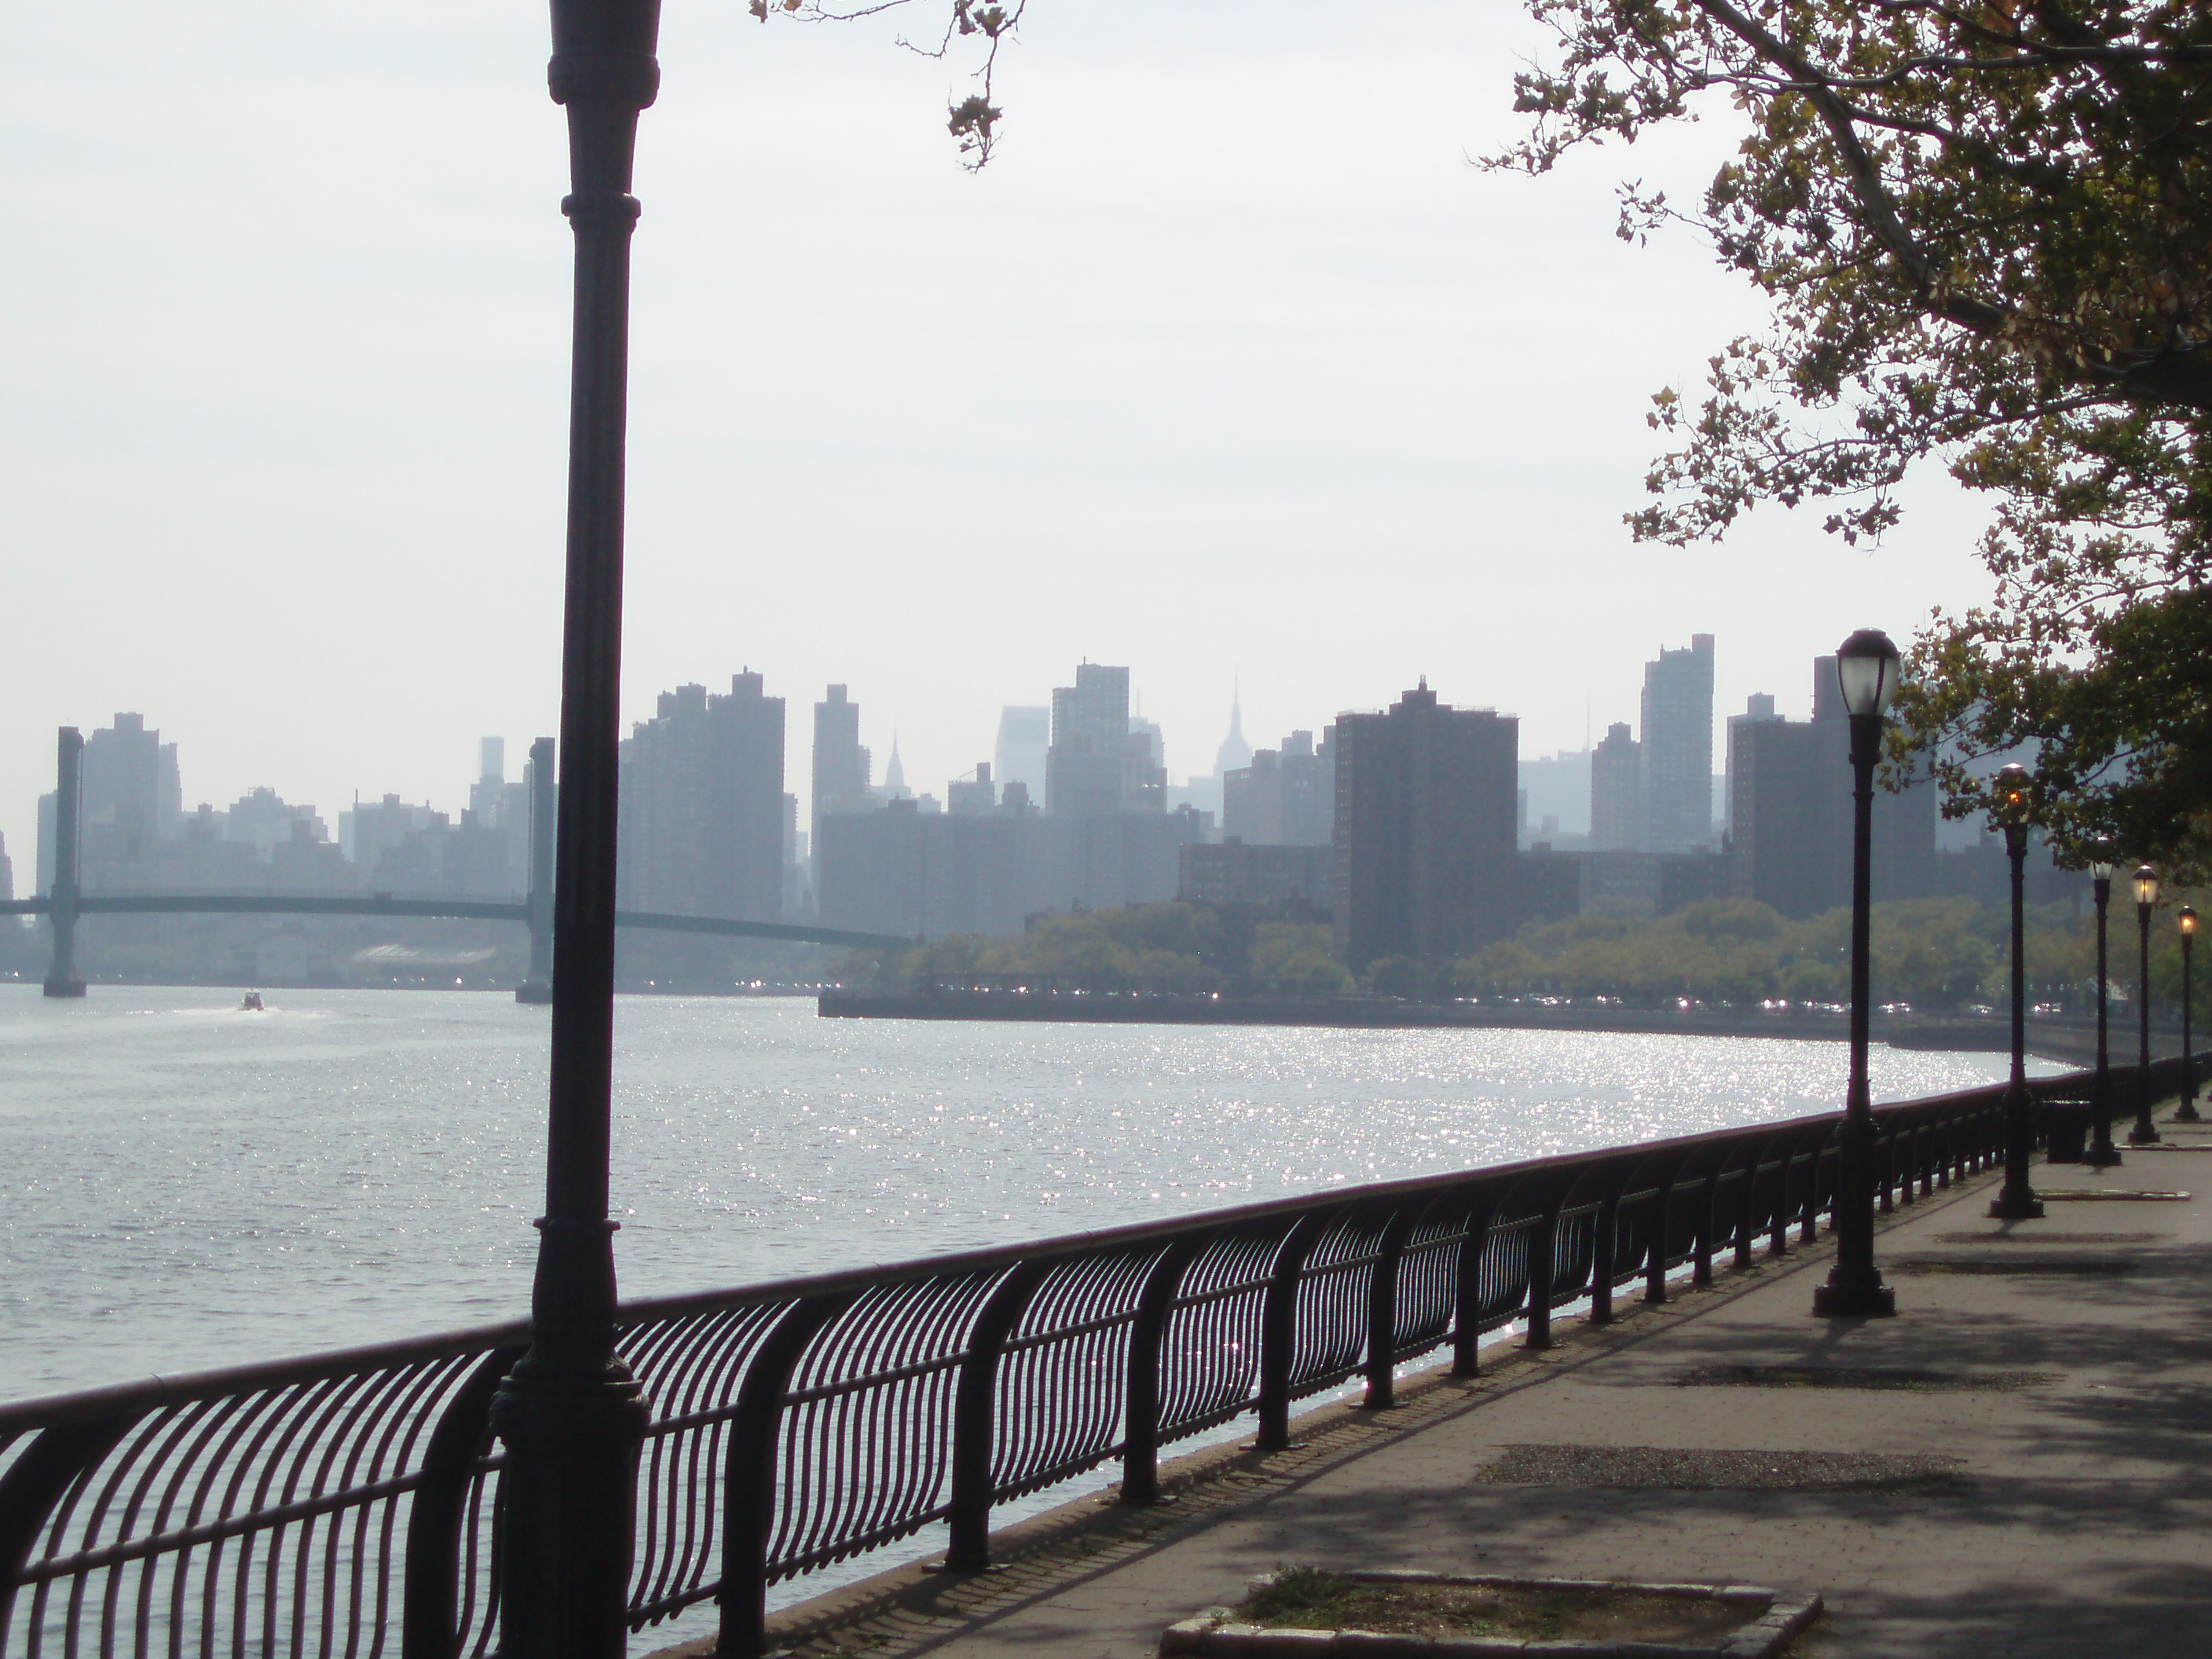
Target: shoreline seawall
point(2066, 1038)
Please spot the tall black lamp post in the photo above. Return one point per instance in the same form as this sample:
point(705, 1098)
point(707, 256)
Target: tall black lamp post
point(2016, 1199)
point(2187, 922)
point(1866, 673)
point(2145, 1133)
point(2102, 1154)
point(571, 1414)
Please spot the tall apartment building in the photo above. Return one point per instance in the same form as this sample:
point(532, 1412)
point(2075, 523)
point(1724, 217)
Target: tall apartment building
point(1427, 809)
point(1758, 706)
point(702, 825)
point(1286, 797)
point(842, 767)
point(1790, 813)
point(1616, 786)
point(1678, 748)
point(1093, 768)
point(131, 779)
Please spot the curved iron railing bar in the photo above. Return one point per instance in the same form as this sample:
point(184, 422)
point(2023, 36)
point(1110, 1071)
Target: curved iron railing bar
point(1155, 1300)
point(429, 1581)
point(1278, 1326)
point(748, 1482)
point(1426, 1276)
point(969, 1500)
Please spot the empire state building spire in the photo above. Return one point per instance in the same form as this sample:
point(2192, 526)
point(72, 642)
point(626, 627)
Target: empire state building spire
point(1234, 753)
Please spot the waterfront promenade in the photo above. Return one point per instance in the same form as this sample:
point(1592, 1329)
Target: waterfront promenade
point(2016, 1465)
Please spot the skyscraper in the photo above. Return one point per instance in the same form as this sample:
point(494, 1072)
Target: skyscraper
point(1088, 771)
point(1616, 792)
point(842, 766)
point(1427, 809)
point(1791, 812)
point(701, 830)
point(1286, 797)
point(129, 780)
point(1678, 748)
point(1025, 741)
point(1234, 753)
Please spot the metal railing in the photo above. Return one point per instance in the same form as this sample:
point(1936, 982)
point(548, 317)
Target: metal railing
point(341, 1506)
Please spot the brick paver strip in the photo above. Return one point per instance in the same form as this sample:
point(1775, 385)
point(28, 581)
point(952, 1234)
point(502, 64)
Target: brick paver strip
point(2073, 1517)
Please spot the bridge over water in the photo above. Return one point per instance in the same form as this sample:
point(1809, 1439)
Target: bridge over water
point(64, 902)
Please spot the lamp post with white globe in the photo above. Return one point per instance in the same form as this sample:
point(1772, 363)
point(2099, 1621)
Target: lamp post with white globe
point(1867, 668)
point(2014, 809)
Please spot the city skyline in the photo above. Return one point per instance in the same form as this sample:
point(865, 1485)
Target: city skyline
point(1332, 409)
point(447, 795)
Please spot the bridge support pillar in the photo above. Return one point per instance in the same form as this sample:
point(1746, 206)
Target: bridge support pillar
point(539, 986)
point(63, 979)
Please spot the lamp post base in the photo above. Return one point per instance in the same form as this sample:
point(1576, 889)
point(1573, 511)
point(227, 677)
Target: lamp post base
point(2010, 1205)
point(2107, 1157)
point(1854, 1298)
point(2143, 1135)
point(2188, 1113)
point(71, 986)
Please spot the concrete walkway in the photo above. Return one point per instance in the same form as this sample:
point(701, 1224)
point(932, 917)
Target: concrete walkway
point(2040, 1487)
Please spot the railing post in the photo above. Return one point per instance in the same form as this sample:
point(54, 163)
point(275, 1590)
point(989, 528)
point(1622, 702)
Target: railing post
point(429, 1594)
point(749, 1475)
point(1654, 1255)
point(1140, 1444)
point(1467, 1297)
point(37, 1480)
point(1809, 1231)
point(1778, 1239)
point(974, 1399)
point(1279, 1332)
point(1382, 1315)
point(1701, 1240)
point(1745, 1212)
point(63, 979)
point(1543, 1244)
point(1605, 1252)
point(1885, 1176)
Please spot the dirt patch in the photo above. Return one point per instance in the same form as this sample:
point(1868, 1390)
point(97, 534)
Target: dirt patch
point(1698, 1470)
point(1309, 1598)
point(1861, 1377)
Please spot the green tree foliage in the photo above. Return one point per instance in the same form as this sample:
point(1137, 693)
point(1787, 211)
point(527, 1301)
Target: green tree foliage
point(1931, 953)
point(1984, 232)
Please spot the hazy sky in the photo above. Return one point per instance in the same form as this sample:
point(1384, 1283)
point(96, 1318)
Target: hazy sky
point(1230, 363)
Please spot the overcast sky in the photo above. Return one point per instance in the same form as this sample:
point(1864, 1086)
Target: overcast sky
point(1230, 364)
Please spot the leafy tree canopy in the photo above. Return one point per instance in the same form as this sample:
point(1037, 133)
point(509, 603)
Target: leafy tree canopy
point(1982, 228)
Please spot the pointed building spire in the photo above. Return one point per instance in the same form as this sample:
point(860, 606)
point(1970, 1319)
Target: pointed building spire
point(1234, 753)
point(895, 773)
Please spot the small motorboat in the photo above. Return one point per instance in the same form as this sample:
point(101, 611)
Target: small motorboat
point(251, 1005)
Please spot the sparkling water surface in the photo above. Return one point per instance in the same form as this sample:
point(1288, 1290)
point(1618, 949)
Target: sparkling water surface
point(185, 1184)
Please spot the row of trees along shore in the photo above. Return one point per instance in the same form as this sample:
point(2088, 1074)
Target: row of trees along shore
point(1934, 954)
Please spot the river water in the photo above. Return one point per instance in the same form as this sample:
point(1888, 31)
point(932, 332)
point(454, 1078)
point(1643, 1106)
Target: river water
point(185, 1184)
